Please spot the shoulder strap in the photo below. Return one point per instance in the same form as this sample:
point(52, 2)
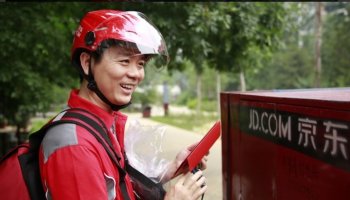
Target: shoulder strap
point(95, 127)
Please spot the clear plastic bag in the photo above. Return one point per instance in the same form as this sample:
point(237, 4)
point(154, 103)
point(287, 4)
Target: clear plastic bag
point(143, 146)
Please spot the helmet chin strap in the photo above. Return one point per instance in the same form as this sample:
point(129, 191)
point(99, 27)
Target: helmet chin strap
point(93, 87)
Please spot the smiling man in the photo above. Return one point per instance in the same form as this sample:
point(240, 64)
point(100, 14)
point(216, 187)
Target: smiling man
point(117, 72)
point(110, 49)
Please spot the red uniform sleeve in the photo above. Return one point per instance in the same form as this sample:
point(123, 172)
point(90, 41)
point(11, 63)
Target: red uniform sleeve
point(74, 172)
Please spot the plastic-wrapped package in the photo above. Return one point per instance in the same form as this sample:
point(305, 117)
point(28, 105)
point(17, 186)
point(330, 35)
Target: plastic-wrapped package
point(143, 146)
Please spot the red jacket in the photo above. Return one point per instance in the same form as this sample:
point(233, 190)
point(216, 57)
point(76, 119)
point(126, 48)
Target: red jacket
point(73, 164)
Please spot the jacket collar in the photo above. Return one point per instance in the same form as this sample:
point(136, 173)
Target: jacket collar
point(75, 101)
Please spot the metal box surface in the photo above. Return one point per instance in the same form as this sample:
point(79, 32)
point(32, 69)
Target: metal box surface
point(286, 145)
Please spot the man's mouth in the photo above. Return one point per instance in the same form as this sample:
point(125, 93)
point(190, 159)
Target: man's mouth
point(127, 86)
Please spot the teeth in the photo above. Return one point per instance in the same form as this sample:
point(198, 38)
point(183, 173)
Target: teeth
point(127, 86)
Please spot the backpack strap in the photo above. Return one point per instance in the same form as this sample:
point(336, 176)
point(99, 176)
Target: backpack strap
point(94, 126)
point(104, 140)
point(145, 188)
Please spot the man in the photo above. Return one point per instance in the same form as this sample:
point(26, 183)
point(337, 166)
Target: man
point(110, 49)
point(165, 98)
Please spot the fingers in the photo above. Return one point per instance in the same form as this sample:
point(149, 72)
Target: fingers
point(207, 153)
point(192, 178)
point(203, 163)
point(192, 146)
point(198, 187)
point(188, 187)
point(182, 179)
point(196, 184)
point(199, 183)
point(200, 191)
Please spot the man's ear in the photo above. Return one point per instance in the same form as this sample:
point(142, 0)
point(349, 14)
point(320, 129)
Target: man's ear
point(85, 62)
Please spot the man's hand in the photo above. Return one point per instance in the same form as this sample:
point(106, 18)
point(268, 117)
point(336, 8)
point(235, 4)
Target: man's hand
point(188, 187)
point(180, 157)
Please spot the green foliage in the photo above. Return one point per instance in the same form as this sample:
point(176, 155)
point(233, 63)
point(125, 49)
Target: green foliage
point(244, 33)
point(183, 98)
point(293, 65)
point(192, 103)
point(145, 98)
point(208, 106)
point(3, 121)
point(36, 125)
point(202, 38)
point(286, 71)
point(35, 40)
point(336, 48)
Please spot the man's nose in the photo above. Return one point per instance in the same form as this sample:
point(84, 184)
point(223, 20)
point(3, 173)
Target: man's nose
point(134, 71)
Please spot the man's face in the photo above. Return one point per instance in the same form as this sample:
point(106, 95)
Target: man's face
point(118, 74)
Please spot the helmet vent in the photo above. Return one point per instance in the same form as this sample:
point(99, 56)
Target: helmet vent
point(89, 38)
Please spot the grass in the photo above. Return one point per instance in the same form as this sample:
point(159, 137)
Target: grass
point(188, 122)
point(37, 124)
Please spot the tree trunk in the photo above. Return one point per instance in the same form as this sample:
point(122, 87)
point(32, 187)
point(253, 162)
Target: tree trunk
point(218, 89)
point(318, 42)
point(199, 94)
point(242, 81)
point(18, 132)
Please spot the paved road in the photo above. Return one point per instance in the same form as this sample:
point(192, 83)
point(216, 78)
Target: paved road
point(176, 139)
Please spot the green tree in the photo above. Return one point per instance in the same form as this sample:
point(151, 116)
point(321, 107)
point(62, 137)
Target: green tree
point(238, 36)
point(336, 46)
point(232, 37)
point(289, 69)
point(35, 41)
point(254, 32)
point(292, 65)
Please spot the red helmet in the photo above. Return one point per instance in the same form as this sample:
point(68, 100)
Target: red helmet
point(130, 27)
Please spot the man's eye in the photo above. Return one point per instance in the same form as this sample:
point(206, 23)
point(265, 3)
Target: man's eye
point(142, 63)
point(124, 62)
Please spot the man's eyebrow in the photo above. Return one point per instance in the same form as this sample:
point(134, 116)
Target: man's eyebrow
point(125, 53)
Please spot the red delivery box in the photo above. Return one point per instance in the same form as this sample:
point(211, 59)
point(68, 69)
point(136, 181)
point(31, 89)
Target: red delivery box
point(286, 144)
